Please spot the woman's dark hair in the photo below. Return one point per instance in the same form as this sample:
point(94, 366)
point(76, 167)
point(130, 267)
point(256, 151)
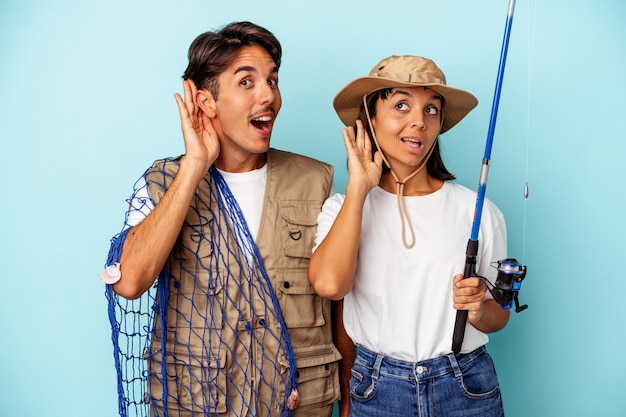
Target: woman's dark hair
point(212, 52)
point(434, 165)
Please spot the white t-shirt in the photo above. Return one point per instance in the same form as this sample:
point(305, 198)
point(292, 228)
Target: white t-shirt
point(401, 301)
point(248, 188)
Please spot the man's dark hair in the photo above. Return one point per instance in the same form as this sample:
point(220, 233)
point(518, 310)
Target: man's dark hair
point(212, 52)
point(434, 165)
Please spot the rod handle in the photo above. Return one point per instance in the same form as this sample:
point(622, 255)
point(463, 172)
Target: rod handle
point(461, 315)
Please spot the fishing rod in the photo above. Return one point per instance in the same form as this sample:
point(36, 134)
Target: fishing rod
point(510, 272)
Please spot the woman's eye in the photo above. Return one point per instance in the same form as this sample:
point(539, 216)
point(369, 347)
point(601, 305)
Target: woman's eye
point(245, 82)
point(432, 110)
point(273, 82)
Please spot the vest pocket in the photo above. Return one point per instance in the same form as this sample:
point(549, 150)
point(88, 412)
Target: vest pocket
point(299, 221)
point(194, 243)
point(318, 381)
point(195, 303)
point(301, 306)
point(192, 384)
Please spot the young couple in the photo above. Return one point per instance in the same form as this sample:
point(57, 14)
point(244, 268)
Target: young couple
point(250, 245)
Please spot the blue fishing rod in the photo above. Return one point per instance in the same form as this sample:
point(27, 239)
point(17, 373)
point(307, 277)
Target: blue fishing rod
point(510, 272)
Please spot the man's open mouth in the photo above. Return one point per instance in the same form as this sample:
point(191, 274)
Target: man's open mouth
point(262, 123)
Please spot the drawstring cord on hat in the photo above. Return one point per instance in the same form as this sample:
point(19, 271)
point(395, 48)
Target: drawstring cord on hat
point(404, 214)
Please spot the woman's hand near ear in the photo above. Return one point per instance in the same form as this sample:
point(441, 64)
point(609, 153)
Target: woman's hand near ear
point(363, 172)
point(202, 145)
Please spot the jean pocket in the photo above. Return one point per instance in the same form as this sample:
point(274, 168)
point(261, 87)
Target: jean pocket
point(362, 386)
point(479, 379)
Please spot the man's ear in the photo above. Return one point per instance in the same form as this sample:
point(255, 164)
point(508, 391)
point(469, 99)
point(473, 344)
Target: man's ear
point(206, 102)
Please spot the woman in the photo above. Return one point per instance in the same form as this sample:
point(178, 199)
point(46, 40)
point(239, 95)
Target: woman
point(394, 247)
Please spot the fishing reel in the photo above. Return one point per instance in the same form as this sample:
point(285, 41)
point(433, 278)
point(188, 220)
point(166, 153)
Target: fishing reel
point(508, 283)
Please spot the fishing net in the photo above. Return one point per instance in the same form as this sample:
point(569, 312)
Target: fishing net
point(209, 338)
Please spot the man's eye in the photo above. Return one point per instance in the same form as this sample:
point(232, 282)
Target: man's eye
point(273, 82)
point(401, 106)
point(245, 82)
point(432, 110)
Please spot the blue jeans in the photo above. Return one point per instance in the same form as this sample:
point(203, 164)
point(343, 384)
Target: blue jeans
point(456, 385)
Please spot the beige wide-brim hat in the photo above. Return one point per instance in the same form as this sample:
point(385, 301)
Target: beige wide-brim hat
point(404, 71)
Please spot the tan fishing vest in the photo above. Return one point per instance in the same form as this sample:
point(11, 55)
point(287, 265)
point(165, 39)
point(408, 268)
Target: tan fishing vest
point(295, 191)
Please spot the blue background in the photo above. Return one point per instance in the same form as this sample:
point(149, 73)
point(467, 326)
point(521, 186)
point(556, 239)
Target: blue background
point(86, 89)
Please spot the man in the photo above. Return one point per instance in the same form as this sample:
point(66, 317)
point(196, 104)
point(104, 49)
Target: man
point(228, 228)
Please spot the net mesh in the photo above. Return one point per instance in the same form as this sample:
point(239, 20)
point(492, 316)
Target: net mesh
point(209, 337)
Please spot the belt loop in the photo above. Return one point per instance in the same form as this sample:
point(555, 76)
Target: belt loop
point(377, 364)
point(455, 365)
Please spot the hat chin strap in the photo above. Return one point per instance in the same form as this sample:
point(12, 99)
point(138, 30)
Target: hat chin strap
point(404, 214)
